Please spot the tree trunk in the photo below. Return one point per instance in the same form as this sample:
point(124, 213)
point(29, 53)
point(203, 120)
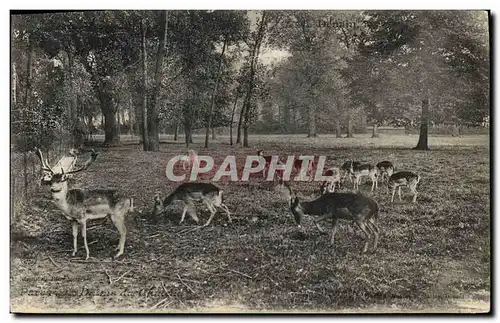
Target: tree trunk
point(214, 94)
point(110, 127)
point(286, 118)
point(456, 130)
point(374, 131)
point(145, 137)
point(253, 61)
point(154, 139)
point(338, 130)
point(312, 122)
point(231, 124)
point(424, 126)
point(240, 121)
point(213, 134)
point(176, 131)
point(349, 127)
point(187, 134)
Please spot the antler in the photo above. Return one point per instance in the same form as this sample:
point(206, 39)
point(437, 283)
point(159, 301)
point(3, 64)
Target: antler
point(89, 162)
point(45, 164)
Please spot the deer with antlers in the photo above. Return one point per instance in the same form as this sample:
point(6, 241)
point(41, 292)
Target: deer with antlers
point(66, 163)
point(355, 207)
point(80, 205)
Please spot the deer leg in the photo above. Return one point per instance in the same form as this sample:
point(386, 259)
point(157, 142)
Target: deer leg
point(74, 226)
point(212, 211)
point(84, 235)
point(399, 193)
point(373, 183)
point(366, 231)
point(323, 218)
point(393, 193)
point(334, 230)
point(224, 207)
point(118, 221)
point(375, 230)
point(413, 189)
point(184, 213)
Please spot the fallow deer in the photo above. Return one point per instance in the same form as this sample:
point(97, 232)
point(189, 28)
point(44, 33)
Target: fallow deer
point(355, 207)
point(80, 205)
point(207, 193)
point(346, 170)
point(364, 170)
point(385, 169)
point(404, 178)
point(328, 186)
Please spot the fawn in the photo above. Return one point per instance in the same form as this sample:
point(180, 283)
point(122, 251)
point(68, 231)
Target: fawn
point(209, 194)
point(404, 178)
point(355, 207)
point(80, 205)
point(346, 170)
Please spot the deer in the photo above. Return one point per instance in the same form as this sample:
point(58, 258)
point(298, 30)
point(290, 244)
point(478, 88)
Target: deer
point(67, 163)
point(79, 205)
point(385, 169)
point(207, 193)
point(404, 178)
point(354, 207)
point(346, 170)
point(188, 161)
point(297, 165)
point(328, 186)
point(360, 170)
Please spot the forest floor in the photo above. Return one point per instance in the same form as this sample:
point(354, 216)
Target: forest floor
point(434, 255)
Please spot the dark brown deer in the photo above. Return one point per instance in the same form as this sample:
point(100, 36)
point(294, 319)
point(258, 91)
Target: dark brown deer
point(207, 193)
point(355, 207)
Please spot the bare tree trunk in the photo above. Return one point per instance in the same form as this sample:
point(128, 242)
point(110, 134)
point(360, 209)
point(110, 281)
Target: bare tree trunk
point(214, 94)
point(424, 126)
point(456, 130)
point(253, 61)
point(240, 121)
point(176, 132)
point(312, 122)
point(374, 131)
point(154, 139)
point(232, 119)
point(349, 126)
point(145, 137)
point(338, 130)
point(213, 134)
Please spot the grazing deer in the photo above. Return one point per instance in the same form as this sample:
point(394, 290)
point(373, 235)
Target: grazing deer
point(385, 168)
point(364, 170)
point(189, 160)
point(346, 170)
point(209, 194)
point(66, 163)
point(404, 178)
point(328, 186)
point(80, 205)
point(355, 207)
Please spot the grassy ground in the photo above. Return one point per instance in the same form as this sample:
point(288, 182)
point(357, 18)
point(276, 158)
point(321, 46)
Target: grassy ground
point(433, 256)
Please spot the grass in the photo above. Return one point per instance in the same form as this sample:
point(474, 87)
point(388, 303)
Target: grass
point(433, 256)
